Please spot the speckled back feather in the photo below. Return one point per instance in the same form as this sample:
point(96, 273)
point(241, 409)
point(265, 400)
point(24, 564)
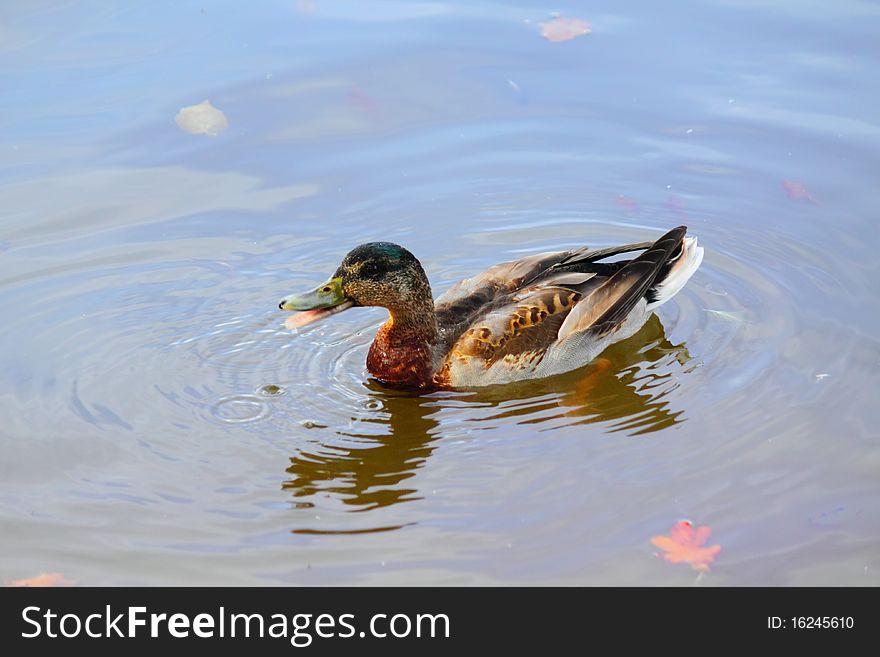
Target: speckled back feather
point(549, 312)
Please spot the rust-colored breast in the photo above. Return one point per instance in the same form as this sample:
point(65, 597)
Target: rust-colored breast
point(401, 359)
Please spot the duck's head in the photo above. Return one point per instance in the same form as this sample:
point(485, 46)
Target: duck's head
point(373, 274)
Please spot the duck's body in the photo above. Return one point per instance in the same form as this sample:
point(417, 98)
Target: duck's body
point(531, 318)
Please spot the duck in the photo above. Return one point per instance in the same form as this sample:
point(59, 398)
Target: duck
point(531, 318)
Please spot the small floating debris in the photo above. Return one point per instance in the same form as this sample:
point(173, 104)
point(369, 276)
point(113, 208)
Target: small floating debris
point(311, 424)
point(730, 316)
point(797, 191)
point(565, 29)
point(710, 169)
point(683, 130)
point(305, 7)
point(822, 376)
point(271, 390)
point(625, 201)
point(362, 101)
point(201, 119)
point(518, 94)
point(829, 518)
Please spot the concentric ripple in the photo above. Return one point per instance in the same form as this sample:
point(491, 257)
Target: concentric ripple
point(155, 410)
point(361, 444)
point(358, 446)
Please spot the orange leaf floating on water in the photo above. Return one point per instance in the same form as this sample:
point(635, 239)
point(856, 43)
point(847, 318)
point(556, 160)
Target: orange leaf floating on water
point(564, 29)
point(797, 191)
point(685, 545)
point(43, 579)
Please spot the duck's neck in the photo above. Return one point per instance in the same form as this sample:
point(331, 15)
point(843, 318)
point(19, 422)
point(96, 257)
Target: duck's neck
point(402, 352)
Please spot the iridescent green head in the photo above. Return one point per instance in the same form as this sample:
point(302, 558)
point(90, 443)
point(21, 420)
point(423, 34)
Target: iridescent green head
point(374, 274)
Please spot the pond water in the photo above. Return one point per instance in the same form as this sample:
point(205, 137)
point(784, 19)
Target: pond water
point(160, 426)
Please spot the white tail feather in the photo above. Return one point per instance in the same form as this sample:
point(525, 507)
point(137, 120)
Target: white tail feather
point(685, 266)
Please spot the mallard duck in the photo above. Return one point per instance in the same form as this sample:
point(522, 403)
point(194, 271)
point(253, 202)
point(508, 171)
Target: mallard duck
point(530, 318)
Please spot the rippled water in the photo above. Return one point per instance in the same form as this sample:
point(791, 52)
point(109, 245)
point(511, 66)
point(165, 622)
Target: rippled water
point(159, 425)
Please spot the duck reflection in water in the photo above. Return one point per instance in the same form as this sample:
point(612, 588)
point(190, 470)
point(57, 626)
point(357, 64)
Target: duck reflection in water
point(625, 387)
point(373, 472)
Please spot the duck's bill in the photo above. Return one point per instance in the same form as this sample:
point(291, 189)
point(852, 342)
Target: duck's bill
point(307, 317)
point(325, 300)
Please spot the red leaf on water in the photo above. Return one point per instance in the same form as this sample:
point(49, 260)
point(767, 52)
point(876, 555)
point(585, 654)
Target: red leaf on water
point(306, 7)
point(796, 191)
point(685, 545)
point(43, 579)
point(361, 100)
point(676, 204)
point(627, 202)
point(564, 29)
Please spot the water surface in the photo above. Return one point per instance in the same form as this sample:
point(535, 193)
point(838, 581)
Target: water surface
point(158, 425)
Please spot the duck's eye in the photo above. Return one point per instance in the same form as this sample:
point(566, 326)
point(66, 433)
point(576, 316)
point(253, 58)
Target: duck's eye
point(326, 289)
point(371, 270)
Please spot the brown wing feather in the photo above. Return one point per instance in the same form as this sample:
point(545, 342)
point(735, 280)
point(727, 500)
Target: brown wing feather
point(520, 331)
point(467, 301)
point(612, 301)
point(461, 305)
point(585, 258)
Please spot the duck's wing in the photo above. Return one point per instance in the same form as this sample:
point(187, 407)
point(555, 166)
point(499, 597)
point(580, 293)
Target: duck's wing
point(607, 305)
point(467, 301)
point(518, 329)
point(561, 316)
